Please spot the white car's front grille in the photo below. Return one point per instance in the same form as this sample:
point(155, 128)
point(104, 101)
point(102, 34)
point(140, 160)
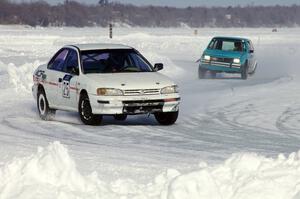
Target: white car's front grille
point(134, 92)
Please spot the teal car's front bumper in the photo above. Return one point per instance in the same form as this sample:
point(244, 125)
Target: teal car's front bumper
point(220, 66)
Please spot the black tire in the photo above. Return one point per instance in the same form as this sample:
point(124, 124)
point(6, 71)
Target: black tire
point(253, 72)
point(120, 117)
point(244, 73)
point(85, 111)
point(45, 112)
point(167, 118)
point(213, 74)
point(201, 72)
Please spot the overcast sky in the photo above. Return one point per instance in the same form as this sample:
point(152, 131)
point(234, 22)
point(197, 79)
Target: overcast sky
point(186, 3)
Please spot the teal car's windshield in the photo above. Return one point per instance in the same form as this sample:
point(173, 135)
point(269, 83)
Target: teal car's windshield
point(114, 61)
point(227, 45)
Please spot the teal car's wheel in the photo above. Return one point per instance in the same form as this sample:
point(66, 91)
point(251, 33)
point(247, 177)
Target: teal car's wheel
point(201, 73)
point(253, 72)
point(213, 74)
point(244, 73)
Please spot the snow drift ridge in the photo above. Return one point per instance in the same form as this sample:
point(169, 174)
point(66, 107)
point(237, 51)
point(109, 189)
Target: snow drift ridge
point(19, 77)
point(51, 173)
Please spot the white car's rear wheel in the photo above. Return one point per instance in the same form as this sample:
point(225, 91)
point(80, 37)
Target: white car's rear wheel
point(45, 112)
point(85, 112)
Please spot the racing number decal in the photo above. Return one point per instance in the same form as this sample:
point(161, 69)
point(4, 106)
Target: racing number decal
point(66, 86)
point(40, 75)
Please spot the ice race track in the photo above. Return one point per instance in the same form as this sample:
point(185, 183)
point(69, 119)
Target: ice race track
point(234, 139)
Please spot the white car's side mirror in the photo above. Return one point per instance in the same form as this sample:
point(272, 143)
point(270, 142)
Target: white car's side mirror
point(158, 66)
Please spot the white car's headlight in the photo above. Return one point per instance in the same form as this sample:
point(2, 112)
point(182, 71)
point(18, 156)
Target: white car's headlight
point(236, 61)
point(206, 57)
point(109, 92)
point(170, 90)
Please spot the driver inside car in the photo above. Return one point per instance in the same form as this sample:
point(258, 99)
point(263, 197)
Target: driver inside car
point(238, 46)
point(115, 63)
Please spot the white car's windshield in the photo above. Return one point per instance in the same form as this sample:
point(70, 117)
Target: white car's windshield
point(114, 61)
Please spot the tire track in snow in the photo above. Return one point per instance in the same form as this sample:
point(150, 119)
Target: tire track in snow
point(237, 111)
point(111, 136)
point(287, 120)
point(225, 122)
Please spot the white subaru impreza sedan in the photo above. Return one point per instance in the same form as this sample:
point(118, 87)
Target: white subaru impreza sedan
point(104, 79)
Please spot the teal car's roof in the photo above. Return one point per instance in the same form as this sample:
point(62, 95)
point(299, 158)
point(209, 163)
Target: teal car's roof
point(232, 38)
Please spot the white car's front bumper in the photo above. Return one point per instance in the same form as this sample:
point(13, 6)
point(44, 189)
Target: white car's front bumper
point(108, 105)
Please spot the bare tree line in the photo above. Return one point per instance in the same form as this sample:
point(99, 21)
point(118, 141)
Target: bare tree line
point(71, 13)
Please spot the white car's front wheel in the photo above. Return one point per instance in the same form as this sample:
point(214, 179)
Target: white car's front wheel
point(45, 112)
point(167, 118)
point(85, 111)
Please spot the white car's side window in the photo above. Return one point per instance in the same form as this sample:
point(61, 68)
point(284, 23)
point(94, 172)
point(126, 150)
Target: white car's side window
point(57, 63)
point(72, 65)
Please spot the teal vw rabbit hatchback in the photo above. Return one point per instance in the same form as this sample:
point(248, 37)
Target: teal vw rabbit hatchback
point(229, 55)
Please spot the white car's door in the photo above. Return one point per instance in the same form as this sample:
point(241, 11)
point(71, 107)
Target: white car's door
point(68, 91)
point(52, 79)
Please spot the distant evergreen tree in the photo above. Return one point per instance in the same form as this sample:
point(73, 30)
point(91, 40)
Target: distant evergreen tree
point(103, 2)
point(74, 13)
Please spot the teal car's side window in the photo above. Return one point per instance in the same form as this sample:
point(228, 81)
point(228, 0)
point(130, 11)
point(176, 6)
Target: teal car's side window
point(212, 44)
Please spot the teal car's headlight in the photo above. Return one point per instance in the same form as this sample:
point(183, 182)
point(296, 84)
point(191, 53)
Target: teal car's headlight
point(170, 89)
point(237, 61)
point(206, 57)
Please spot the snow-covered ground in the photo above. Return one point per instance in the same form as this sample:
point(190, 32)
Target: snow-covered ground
point(234, 139)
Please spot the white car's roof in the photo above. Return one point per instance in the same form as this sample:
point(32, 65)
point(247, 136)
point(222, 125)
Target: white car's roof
point(101, 46)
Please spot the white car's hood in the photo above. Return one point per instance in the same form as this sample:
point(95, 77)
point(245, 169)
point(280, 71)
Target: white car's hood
point(143, 80)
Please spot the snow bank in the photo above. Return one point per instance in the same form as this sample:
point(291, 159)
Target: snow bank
point(244, 176)
point(19, 77)
point(51, 173)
